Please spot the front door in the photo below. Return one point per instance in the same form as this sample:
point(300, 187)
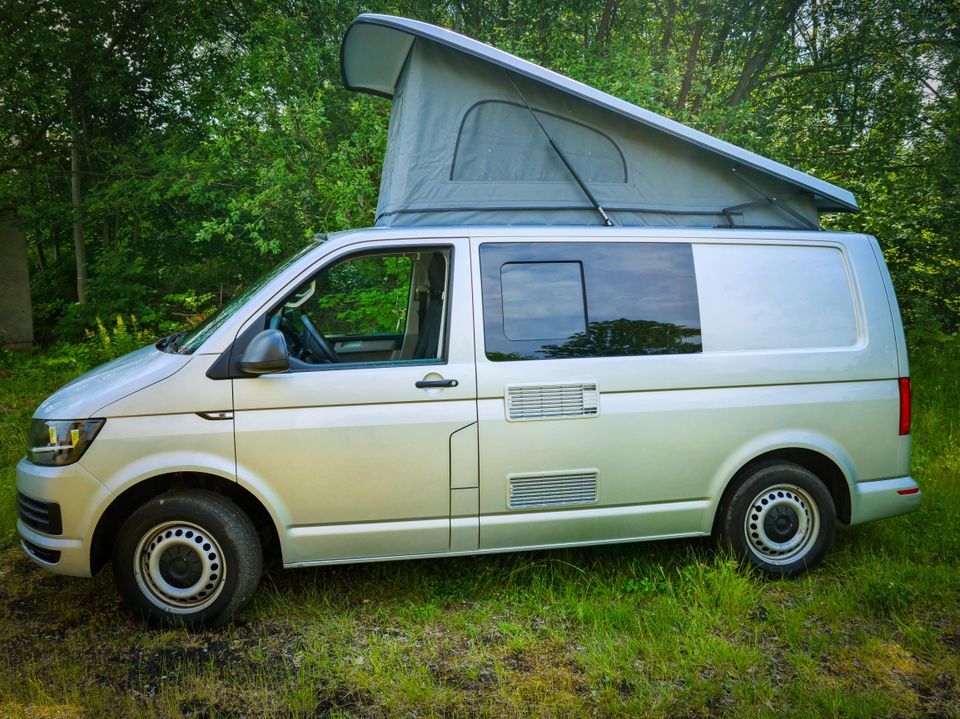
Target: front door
point(354, 442)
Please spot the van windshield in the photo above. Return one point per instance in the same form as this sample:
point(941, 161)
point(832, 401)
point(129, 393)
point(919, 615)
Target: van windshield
point(189, 341)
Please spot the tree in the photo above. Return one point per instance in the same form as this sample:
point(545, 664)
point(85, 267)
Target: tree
point(161, 154)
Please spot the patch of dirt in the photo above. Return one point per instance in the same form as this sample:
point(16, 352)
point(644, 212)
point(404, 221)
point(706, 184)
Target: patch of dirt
point(343, 700)
point(37, 711)
point(150, 668)
point(466, 678)
point(939, 698)
point(952, 640)
point(200, 708)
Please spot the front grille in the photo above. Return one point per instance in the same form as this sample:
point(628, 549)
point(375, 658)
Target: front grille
point(50, 556)
point(553, 490)
point(39, 515)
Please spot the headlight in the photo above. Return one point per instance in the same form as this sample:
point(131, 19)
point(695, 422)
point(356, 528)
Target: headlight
point(60, 441)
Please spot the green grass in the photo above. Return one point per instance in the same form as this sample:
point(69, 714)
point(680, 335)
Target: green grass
point(669, 629)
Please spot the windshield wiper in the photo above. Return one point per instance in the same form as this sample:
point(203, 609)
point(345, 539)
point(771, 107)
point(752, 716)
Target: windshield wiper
point(171, 343)
point(176, 339)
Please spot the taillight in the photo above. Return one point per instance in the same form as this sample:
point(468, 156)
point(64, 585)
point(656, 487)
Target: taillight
point(904, 405)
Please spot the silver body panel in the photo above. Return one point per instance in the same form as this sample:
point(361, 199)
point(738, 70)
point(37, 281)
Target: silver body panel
point(355, 464)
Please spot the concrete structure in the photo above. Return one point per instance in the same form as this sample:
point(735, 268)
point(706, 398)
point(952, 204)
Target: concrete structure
point(16, 317)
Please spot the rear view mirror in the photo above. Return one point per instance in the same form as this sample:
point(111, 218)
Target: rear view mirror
point(266, 354)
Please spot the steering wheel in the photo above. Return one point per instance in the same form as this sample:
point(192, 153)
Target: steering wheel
point(316, 342)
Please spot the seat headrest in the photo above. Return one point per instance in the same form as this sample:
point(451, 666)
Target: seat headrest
point(437, 272)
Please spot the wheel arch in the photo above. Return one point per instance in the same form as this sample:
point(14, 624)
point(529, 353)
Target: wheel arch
point(824, 467)
point(105, 533)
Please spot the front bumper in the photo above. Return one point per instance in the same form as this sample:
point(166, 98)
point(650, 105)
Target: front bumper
point(80, 497)
point(882, 498)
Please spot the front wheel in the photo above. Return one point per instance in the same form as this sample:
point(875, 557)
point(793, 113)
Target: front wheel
point(189, 557)
point(781, 519)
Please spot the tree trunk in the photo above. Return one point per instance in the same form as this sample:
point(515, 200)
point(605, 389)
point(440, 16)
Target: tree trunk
point(753, 68)
point(815, 32)
point(41, 257)
point(691, 65)
point(606, 20)
point(77, 201)
point(135, 231)
point(471, 12)
point(667, 34)
point(718, 47)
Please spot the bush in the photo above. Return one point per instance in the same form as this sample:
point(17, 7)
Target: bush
point(122, 337)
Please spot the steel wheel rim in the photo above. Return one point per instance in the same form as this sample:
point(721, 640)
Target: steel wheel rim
point(781, 524)
point(179, 567)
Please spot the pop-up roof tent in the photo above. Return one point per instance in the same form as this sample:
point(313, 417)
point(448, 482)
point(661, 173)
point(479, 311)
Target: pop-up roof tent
point(479, 136)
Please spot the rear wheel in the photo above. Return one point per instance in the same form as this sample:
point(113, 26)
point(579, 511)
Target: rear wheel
point(189, 557)
point(781, 519)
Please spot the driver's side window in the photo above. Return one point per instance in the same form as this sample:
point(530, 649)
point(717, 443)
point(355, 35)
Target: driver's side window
point(375, 307)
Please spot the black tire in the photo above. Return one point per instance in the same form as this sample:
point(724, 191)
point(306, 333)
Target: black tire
point(778, 504)
point(191, 542)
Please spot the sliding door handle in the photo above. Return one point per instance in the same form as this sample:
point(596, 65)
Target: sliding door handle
point(428, 383)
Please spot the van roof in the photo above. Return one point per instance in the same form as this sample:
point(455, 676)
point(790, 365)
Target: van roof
point(587, 232)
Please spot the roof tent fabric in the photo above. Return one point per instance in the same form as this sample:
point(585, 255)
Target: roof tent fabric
point(464, 146)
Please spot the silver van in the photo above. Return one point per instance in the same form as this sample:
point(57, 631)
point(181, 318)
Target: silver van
point(418, 392)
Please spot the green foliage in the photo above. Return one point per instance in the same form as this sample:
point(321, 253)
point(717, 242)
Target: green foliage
point(102, 343)
point(366, 295)
point(120, 338)
point(215, 137)
point(886, 595)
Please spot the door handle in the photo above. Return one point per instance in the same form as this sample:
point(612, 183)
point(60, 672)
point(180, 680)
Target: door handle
point(427, 383)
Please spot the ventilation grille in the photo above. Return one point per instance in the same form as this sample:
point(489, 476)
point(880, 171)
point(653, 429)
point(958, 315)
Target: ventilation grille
point(50, 556)
point(552, 401)
point(552, 490)
point(39, 515)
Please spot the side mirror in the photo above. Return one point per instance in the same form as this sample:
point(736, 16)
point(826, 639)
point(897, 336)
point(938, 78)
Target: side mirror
point(266, 354)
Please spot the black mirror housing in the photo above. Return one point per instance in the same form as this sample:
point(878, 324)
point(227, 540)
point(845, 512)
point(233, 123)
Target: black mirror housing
point(266, 354)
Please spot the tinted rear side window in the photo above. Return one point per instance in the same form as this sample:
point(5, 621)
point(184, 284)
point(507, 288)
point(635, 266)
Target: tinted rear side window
point(578, 299)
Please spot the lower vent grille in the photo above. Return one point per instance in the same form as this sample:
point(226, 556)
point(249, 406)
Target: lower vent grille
point(553, 490)
point(50, 556)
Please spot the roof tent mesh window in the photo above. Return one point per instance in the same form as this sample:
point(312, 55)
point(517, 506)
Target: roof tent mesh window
point(500, 141)
point(641, 299)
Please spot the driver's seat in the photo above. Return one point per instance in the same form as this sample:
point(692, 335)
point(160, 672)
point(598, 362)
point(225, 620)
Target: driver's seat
point(431, 310)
